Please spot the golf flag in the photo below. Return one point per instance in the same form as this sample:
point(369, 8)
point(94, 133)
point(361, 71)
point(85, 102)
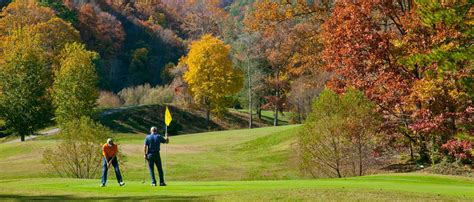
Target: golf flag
point(168, 118)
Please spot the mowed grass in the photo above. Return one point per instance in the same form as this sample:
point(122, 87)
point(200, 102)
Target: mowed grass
point(406, 187)
point(262, 153)
point(242, 165)
point(221, 155)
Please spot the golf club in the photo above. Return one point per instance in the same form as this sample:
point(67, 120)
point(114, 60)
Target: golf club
point(144, 172)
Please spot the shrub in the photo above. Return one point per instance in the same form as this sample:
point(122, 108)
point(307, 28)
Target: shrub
point(159, 95)
point(79, 153)
point(340, 135)
point(145, 94)
point(134, 95)
point(108, 100)
point(448, 167)
point(459, 150)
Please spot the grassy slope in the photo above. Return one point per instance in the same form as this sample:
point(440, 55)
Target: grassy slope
point(209, 166)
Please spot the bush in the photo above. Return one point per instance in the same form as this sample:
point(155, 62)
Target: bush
point(108, 100)
point(134, 95)
point(145, 94)
point(159, 95)
point(459, 150)
point(447, 167)
point(79, 154)
point(340, 135)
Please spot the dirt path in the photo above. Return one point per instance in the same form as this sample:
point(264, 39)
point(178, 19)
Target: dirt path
point(45, 133)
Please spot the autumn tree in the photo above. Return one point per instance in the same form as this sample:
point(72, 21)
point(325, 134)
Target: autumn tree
point(21, 21)
point(203, 17)
point(100, 30)
point(211, 76)
point(249, 58)
point(411, 59)
point(290, 53)
point(53, 32)
point(24, 79)
point(75, 90)
point(303, 91)
point(181, 88)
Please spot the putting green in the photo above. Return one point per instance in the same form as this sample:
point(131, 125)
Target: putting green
point(377, 187)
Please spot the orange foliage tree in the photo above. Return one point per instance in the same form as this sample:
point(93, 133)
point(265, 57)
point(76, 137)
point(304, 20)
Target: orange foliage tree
point(290, 31)
point(409, 58)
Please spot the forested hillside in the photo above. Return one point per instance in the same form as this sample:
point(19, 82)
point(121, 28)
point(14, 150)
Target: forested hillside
point(137, 39)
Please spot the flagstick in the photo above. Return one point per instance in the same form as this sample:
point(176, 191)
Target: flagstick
point(166, 149)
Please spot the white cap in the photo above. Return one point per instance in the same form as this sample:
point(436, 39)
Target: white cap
point(110, 141)
point(153, 129)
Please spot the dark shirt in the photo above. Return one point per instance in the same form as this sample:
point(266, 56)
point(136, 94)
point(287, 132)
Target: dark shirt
point(153, 142)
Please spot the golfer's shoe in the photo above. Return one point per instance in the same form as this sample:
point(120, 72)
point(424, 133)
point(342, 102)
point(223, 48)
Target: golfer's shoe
point(153, 185)
point(122, 183)
point(102, 185)
point(162, 184)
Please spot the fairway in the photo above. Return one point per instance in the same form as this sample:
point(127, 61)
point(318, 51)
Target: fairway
point(241, 165)
point(373, 188)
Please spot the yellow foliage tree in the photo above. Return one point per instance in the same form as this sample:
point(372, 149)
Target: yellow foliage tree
point(211, 76)
point(53, 32)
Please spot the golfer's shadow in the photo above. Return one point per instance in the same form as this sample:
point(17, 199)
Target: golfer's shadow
point(70, 197)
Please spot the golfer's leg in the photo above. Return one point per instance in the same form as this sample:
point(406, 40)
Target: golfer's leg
point(160, 169)
point(104, 172)
point(117, 170)
point(152, 169)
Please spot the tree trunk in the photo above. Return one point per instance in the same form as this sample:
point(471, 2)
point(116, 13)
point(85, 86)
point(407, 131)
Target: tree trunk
point(259, 112)
point(22, 137)
point(250, 95)
point(359, 142)
point(275, 119)
point(299, 115)
point(424, 153)
point(277, 100)
point(208, 117)
point(208, 113)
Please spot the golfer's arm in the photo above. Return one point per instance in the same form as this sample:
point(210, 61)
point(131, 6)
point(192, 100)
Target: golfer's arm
point(145, 149)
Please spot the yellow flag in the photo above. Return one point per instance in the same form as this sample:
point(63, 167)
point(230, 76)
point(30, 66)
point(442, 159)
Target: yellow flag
point(168, 118)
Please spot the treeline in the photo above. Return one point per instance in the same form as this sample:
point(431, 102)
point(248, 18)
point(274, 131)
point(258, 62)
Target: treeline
point(411, 59)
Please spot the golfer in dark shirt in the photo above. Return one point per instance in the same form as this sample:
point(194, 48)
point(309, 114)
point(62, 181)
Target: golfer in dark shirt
point(152, 154)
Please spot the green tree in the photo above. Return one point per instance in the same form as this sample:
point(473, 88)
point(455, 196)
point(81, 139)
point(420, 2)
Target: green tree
point(75, 90)
point(211, 76)
point(61, 10)
point(138, 69)
point(24, 78)
point(340, 135)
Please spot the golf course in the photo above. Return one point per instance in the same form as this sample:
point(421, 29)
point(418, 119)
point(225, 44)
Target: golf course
point(236, 100)
point(235, 165)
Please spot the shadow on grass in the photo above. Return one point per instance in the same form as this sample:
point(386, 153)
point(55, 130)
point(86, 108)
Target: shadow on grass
point(74, 198)
point(138, 119)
